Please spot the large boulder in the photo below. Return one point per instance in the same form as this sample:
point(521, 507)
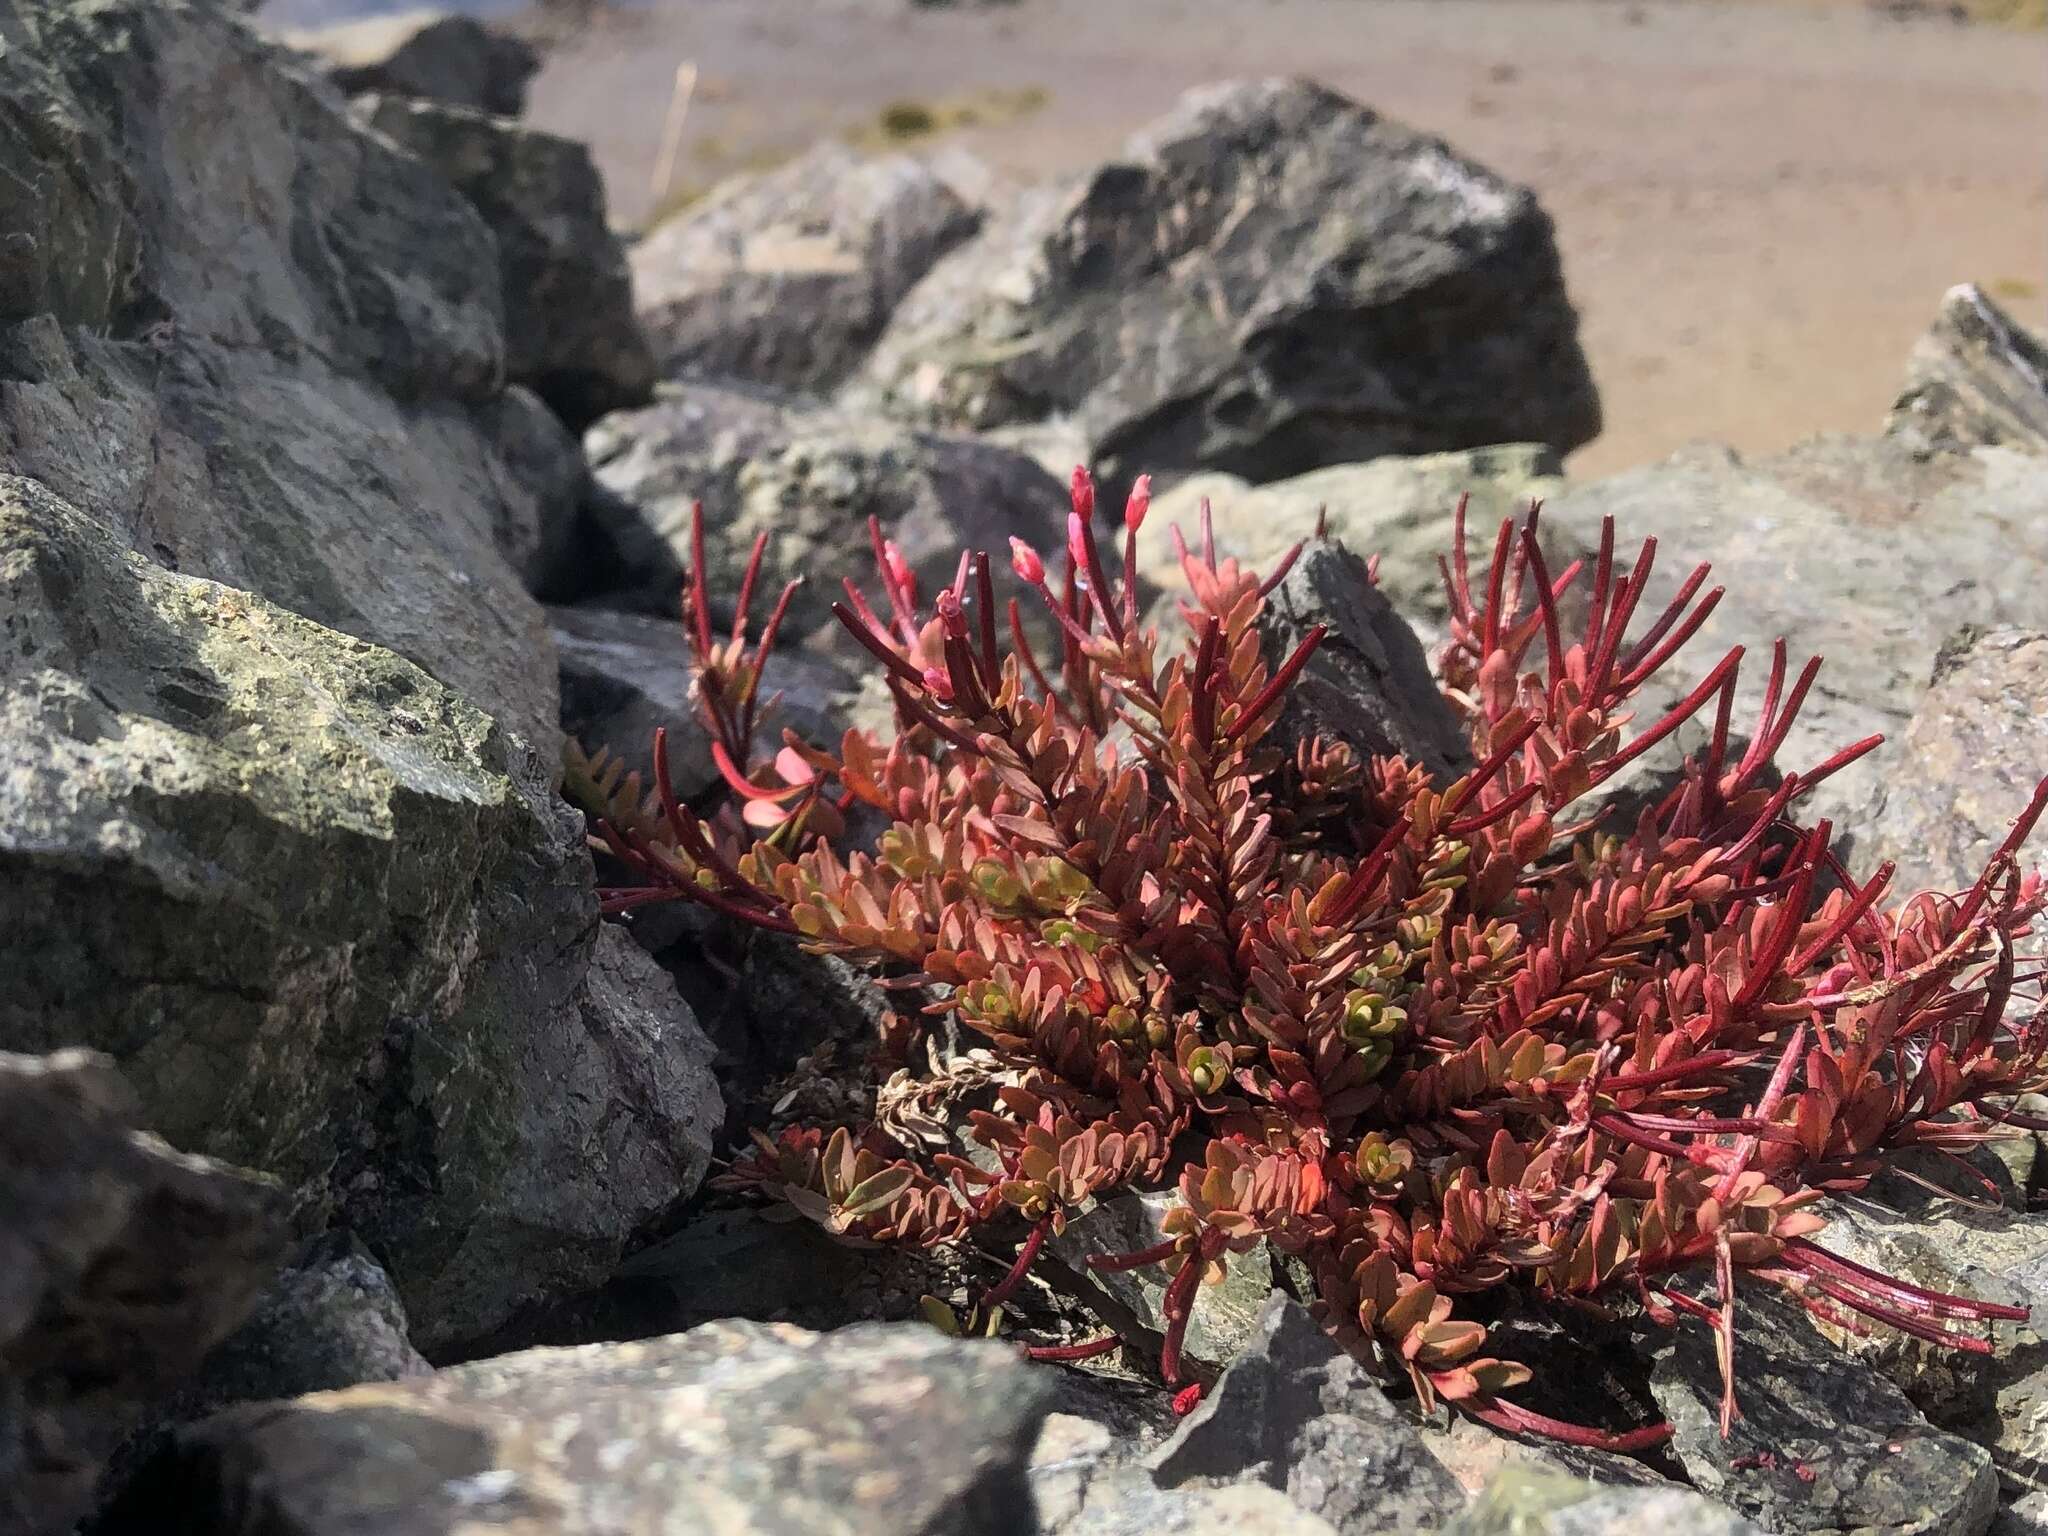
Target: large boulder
point(330, 921)
point(258, 342)
point(870, 1431)
point(570, 331)
point(788, 277)
point(426, 53)
point(121, 1263)
point(1867, 551)
point(1970, 760)
point(1976, 378)
point(1270, 279)
point(1397, 509)
point(810, 479)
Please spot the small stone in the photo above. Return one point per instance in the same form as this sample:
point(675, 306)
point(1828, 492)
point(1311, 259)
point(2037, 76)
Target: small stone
point(1298, 1414)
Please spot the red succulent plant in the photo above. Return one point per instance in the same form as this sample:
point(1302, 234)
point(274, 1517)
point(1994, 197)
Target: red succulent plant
point(1432, 1038)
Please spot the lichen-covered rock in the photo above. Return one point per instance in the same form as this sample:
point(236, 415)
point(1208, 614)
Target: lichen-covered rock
point(1399, 509)
point(1976, 748)
point(1861, 550)
point(870, 1431)
point(810, 479)
point(787, 278)
point(1297, 1413)
point(331, 923)
point(1368, 682)
point(1269, 279)
point(570, 331)
point(1977, 378)
point(1525, 1502)
point(121, 1263)
point(1226, 1315)
point(429, 54)
point(1142, 1509)
point(1824, 1444)
point(256, 341)
point(1477, 1457)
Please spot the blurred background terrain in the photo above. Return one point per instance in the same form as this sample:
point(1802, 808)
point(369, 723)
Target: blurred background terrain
point(1758, 202)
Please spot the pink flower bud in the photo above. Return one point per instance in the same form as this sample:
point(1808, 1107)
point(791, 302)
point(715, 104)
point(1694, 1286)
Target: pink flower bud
point(937, 684)
point(900, 575)
point(1083, 491)
point(949, 613)
point(1025, 562)
point(1138, 505)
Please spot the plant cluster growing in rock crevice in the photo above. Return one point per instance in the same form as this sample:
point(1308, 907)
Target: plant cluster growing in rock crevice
point(1431, 1039)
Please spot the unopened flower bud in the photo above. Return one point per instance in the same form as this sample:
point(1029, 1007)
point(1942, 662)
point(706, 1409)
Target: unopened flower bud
point(1025, 562)
point(938, 684)
point(1083, 492)
point(1138, 505)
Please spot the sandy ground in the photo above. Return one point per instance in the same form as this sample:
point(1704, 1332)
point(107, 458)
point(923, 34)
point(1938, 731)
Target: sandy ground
point(1759, 204)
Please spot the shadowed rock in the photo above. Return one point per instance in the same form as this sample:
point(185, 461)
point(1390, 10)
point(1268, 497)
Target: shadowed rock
point(121, 1263)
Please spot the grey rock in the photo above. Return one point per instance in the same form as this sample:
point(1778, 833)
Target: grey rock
point(2024, 1516)
point(385, 520)
point(1226, 1316)
point(787, 278)
point(542, 532)
point(1398, 509)
point(1824, 1443)
point(1977, 378)
point(432, 1041)
point(1269, 279)
point(1368, 682)
point(1298, 1414)
point(624, 674)
point(121, 1263)
point(1969, 762)
point(1476, 1457)
point(810, 479)
point(324, 241)
point(1090, 1444)
point(1529, 1502)
point(1140, 1509)
point(257, 341)
point(429, 54)
point(333, 1319)
point(570, 331)
point(870, 1431)
point(1999, 1400)
point(1861, 550)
